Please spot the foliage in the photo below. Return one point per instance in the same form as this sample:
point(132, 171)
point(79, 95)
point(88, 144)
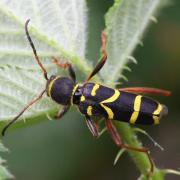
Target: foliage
point(59, 28)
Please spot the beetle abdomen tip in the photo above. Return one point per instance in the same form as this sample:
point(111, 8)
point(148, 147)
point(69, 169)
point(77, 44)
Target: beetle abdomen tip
point(164, 111)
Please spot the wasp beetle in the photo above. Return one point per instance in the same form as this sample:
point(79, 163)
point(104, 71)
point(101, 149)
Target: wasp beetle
point(96, 100)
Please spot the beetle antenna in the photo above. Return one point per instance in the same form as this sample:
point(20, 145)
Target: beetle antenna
point(21, 112)
point(34, 50)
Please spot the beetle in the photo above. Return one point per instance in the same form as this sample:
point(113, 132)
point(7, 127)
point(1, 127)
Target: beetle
point(96, 100)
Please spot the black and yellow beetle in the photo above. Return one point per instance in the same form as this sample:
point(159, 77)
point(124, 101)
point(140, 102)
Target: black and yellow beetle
point(96, 100)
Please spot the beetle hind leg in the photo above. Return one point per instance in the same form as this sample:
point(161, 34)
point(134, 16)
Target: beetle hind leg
point(146, 90)
point(117, 139)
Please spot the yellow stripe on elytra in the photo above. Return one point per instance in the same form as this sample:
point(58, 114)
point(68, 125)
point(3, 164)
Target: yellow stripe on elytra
point(109, 111)
point(94, 89)
point(51, 84)
point(89, 110)
point(158, 110)
point(112, 98)
point(137, 105)
point(156, 114)
point(156, 119)
point(82, 98)
point(109, 100)
point(74, 89)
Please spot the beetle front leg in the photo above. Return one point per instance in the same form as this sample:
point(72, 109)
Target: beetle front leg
point(92, 127)
point(65, 66)
point(62, 112)
point(117, 139)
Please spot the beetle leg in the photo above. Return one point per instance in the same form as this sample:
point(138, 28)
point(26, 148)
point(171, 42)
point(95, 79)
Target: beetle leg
point(62, 112)
point(146, 90)
point(92, 127)
point(65, 66)
point(103, 58)
point(117, 139)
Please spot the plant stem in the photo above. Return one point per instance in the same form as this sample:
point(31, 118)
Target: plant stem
point(140, 159)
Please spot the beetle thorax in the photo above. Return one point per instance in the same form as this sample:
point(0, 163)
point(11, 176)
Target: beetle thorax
point(60, 89)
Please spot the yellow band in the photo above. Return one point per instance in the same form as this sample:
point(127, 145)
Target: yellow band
point(51, 84)
point(112, 98)
point(89, 110)
point(74, 90)
point(82, 98)
point(158, 110)
point(156, 114)
point(109, 111)
point(95, 88)
point(137, 105)
point(109, 100)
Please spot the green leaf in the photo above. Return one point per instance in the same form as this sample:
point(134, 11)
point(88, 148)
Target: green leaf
point(3, 148)
point(58, 28)
point(126, 22)
point(17, 88)
point(4, 173)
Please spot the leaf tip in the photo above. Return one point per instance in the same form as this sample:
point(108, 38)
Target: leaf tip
point(154, 19)
point(132, 59)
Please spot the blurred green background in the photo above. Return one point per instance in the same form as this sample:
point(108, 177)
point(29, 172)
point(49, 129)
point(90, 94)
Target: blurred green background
point(66, 150)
